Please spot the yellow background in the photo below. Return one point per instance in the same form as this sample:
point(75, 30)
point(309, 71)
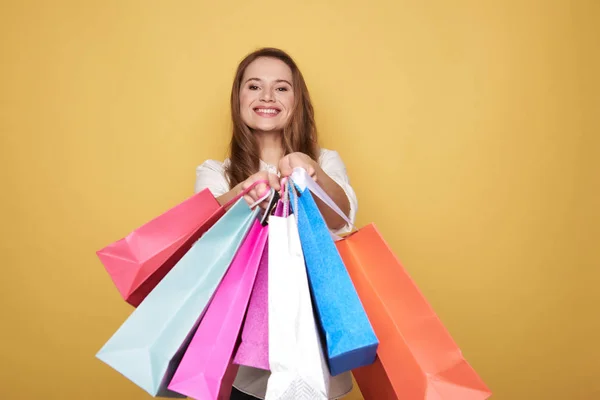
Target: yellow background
point(469, 129)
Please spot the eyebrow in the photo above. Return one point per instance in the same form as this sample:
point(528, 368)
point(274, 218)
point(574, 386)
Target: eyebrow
point(276, 80)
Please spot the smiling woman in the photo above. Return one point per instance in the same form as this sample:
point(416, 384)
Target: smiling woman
point(274, 132)
point(266, 103)
point(259, 96)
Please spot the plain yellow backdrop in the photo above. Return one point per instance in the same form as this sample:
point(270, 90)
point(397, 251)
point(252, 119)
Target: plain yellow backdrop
point(469, 130)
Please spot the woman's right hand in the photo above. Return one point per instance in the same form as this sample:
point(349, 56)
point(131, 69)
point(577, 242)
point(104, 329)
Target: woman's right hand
point(260, 189)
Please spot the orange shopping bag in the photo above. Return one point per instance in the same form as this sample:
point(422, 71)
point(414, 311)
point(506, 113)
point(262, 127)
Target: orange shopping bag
point(417, 358)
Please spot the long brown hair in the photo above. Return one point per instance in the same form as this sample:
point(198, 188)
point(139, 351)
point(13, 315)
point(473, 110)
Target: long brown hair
point(300, 135)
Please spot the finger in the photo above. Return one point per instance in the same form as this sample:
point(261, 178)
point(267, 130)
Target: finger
point(264, 204)
point(312, 172)
point(252, 179)
point(248, 183)
point(285, 168)
point(274, 182)
point(282, 184)
point(262, 194)
point(254, 195)
point(261, 189)
point(253, 198)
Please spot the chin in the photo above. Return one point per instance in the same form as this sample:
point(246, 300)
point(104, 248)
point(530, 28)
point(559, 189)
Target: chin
point(267, 128)
point(270, 128)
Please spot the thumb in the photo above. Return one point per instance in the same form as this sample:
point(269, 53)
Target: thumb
point(261, 189)
point(274, 182)
point(285, 169)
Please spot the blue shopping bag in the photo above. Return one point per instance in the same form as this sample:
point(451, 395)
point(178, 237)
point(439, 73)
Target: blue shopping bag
point(349, 339)
point(149, 345)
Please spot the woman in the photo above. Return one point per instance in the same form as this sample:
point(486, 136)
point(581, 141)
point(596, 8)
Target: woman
point(274, 132)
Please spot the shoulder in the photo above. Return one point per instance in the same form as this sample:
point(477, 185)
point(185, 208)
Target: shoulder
point(213, 165)
point(331, 161)
point(211, 174)
point(325, 154)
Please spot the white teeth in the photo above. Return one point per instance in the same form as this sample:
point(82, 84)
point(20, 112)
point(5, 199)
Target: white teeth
point(267, 110)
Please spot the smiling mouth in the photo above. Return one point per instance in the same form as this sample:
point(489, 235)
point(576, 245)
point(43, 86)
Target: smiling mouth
point(267, 112)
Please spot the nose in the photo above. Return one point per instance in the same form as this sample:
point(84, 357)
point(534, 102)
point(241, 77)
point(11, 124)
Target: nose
point(267, 95)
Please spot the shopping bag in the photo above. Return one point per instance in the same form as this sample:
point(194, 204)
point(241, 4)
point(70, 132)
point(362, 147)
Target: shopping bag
point(350, 341)
point(137, 262)
point(253, 350)
point(298, 367)
point(149, 345)
point(417, 357)
point(206, 370)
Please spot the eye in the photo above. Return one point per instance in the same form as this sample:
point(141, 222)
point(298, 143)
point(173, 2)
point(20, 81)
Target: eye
point(282, 89)
point(253, 87)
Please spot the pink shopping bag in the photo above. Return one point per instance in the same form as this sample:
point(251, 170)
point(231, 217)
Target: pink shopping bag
point(253, 350)
point(206, 370)
point(140, 260)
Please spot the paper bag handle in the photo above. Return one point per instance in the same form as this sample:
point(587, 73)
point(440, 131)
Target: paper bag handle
point(302, 180)
point(245, 191)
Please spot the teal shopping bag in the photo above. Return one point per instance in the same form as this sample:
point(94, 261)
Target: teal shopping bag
point(147, 348)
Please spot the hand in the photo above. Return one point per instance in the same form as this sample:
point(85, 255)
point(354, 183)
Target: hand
point(298, 160)
point(261, 189)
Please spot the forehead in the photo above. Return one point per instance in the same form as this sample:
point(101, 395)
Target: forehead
point(268, 69)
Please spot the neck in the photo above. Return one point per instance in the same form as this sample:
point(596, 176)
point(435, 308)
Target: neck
point(271, 147)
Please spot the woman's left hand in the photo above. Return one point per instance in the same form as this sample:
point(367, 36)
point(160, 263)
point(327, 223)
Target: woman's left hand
point(298, 160)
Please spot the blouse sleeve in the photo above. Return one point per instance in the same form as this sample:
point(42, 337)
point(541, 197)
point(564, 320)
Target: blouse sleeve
point(211, 175)
point(334, 167)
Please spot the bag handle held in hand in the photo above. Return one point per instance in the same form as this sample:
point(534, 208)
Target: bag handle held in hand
point(245, 191)
point(302, 180)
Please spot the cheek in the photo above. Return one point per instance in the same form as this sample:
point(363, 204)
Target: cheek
point(245, 99)
point(288, 102)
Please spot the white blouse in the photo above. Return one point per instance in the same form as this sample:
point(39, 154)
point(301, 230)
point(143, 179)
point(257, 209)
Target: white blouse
point(211, 174)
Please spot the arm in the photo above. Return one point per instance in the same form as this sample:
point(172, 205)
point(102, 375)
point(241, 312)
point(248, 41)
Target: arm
point(337, 194)
point(330, 174)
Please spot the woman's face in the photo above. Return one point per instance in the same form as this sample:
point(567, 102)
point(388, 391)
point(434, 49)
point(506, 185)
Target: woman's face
point(266, 95)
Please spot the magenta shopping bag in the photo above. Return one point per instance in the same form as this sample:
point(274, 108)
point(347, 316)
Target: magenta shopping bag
point(206, 370)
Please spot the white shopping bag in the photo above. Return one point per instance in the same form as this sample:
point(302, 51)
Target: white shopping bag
point(298, 366)
point(298, 369)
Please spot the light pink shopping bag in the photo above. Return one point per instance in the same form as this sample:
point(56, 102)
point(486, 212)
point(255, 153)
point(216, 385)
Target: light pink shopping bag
point(206, 370)
point(253, 350)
